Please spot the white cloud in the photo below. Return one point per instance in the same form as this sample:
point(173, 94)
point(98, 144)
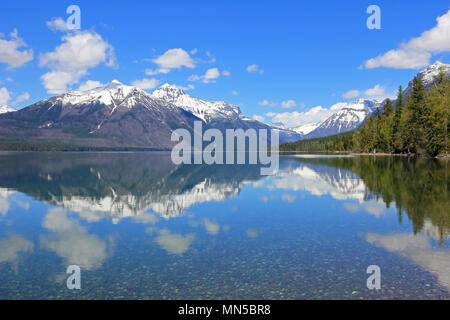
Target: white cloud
point(416, 53)
point(234, 92)
point(210, 76)
point(172, 59)
point(377, 91)
point(4, 96)
point(288, 104)
point(258, 118)
point(71, 60)
point(351, 94)
point(174, 243)
point(284, 104)
point(188, 87)
point(12, 247)
point(193, 51)
point(90, 84)
point(146, 84)
point(211, 57)
point(253, 68)
point(10, 53)
point(57, 24)
point(71, 241)
point(226, 73)
point(211, 227)
point(267, 103)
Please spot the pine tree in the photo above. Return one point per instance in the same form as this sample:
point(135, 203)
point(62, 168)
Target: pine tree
point(386, 127)
point(411, 122)
point(396, 121)
point(435, 117)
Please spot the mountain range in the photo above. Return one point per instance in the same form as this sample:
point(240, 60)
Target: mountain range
point(120, 116)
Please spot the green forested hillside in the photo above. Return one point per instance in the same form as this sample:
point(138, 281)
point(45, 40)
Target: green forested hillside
point(418, 125)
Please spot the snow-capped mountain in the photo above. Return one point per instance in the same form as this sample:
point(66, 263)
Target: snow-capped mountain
point(110, 116)
point(429, 75)
point(217, 114)
point(349, 116)
point(120, 116)
point(6, 109)
point(306, 128)
point(205, 110)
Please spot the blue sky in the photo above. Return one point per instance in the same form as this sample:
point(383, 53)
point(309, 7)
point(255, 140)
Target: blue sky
point(307, 53)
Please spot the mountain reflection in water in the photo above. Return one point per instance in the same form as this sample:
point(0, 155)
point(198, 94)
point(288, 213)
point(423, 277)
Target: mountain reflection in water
point(88, 209)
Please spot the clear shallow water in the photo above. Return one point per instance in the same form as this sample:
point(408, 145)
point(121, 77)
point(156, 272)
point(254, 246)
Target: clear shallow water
point(140, 227)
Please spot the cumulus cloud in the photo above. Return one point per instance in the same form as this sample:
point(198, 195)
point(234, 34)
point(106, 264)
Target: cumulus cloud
point(283, 104)
point(57, 24)
point(146, 84)
point(234, 92)
point(70, 61)
point(254, 68)
point(267, 103)
point(416, 53)
point(351, 94)
point(210, 76)
point(174, 243)
point(11, 248)
point(4, 96)
point(419, 250)
point(10, 52)
point(226, 73)
point(172, 59)
point(288, 104)
point(89, 84)
point(211, 227)
point(377, 92)
point(71, 241)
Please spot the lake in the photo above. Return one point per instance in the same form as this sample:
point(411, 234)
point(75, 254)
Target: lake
point(140, 227)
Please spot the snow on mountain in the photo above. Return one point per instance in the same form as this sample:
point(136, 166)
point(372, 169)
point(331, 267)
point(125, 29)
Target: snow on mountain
point(219, 114)
point(6, 109)
point(307, 128)
point(112, 94)
point(349, 117)
point(205, 110)
point(430, 73)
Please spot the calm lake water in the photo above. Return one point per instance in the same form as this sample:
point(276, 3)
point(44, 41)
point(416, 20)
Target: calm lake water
point(140, 227)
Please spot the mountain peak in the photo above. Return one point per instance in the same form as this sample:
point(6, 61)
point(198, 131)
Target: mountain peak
point(6, 109)
point(168, 91)
point(430, 74)
point(114, 83)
